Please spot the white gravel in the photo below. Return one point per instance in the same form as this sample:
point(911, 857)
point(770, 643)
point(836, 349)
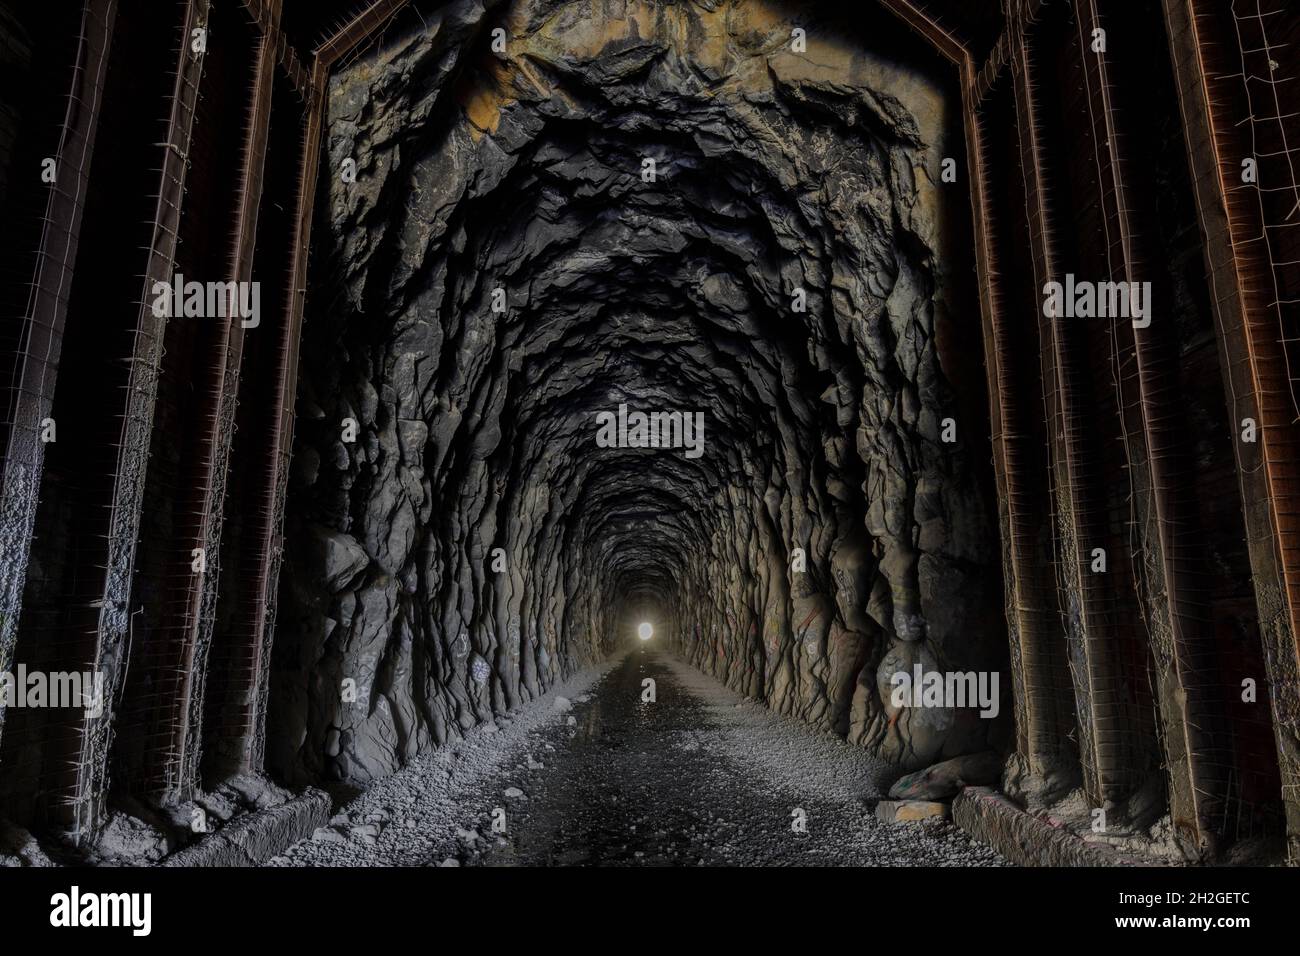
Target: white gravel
point(784, 750)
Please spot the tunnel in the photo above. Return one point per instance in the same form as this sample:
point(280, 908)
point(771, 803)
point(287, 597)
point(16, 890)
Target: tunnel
point(649, 432)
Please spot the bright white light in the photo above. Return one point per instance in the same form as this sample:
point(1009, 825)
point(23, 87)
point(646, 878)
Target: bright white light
point(644, 630)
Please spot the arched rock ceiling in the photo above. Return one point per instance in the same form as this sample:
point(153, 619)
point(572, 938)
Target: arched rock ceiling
point(775, 170)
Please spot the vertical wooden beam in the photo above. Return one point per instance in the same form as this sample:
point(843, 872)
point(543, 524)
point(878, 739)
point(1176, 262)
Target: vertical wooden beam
point(112, 638)
point(350, 36)
point(266, 15)
point(1145, 396)
point(1090, 652)
point(253, 683)
point(1037, 731)
point(47, 311)
point(1032, 627)
point(1254, 369)
point(200, 611)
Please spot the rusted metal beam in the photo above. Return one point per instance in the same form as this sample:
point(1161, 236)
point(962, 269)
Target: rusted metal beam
point(1030, 731)
point(918, 16)
point(1020, 15)
point(1144, 401)
point(43, 324)
point(251, 683)
point(351, 35)
point(1032, 627)
point(1087, 633)
point(266, 17)
point(1254, 365)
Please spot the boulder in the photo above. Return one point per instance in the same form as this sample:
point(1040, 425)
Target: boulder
point(910, 811)
point(945, 779)
point(338, 556)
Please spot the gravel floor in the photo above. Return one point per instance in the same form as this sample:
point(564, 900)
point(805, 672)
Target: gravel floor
point(592, 774)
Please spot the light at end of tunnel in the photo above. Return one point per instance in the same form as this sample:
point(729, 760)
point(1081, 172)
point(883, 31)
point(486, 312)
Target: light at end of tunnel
point(644, 630)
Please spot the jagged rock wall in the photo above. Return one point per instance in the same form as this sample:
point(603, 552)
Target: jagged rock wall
point(778, 267)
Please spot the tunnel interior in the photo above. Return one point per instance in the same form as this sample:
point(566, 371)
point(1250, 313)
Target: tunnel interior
point(539, 247)
point(726, 317)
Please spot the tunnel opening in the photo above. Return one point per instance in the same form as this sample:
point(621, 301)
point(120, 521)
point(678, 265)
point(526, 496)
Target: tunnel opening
point(522, 250)
point(731, 319)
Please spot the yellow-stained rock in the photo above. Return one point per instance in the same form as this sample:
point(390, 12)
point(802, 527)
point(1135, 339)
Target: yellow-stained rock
point(910, 811)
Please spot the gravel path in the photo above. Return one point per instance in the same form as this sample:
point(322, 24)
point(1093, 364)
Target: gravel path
point(592, 774)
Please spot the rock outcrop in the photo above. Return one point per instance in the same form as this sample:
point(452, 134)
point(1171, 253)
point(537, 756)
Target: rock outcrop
point(674, 207)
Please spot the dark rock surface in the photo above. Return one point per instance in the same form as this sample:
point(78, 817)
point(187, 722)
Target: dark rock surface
point(782, 274)
point(945, 778)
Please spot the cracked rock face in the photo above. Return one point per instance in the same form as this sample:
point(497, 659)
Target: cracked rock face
point(665, 206)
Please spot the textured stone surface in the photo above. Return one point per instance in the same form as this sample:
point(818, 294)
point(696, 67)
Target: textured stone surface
point(910, 811)
point(19, 848)
point(775, 172)
point(1024, 839)
point(257, 837)
point(945, 778)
